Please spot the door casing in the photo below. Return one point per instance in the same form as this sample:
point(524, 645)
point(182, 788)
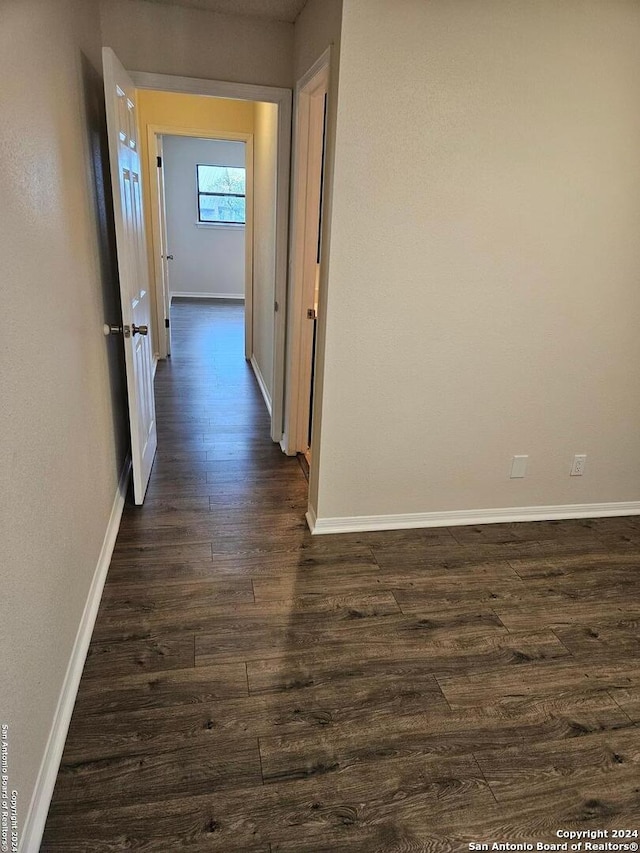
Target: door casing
point(309, 110)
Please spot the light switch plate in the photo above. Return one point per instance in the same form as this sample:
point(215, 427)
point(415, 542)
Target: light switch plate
point(519, 467)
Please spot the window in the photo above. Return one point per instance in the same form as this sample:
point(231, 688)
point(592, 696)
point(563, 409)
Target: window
point(221, 194)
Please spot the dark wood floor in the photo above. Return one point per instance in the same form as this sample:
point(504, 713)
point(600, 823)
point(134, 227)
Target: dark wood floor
point(251, 688)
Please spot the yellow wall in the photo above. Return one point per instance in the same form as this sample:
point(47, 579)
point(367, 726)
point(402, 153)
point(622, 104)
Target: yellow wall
point(264, 243)
point(191, 112)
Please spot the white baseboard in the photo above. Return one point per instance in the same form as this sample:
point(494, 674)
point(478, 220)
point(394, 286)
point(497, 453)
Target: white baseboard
point(362, 523)
point(36, 815)
point(238, 296)
point(261, 383)
point(312, 521)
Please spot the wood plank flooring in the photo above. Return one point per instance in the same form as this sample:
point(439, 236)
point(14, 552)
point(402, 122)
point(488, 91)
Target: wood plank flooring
point(251, 688)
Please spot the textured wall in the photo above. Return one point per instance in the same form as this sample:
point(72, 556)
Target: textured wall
point(482, 296)
point(194, 43)
point(62, 421)
point(317, 27)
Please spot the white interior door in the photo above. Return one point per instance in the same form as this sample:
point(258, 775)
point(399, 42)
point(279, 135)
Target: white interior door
point(124, 156)
point(311, 253)
point(309, 154)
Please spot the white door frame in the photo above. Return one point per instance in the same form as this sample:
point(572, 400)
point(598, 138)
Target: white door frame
point(157, 213)
point(304, 221)
point(158, 247)
point(282, 99)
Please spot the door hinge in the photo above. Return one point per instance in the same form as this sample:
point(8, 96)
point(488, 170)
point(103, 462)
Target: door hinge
point(159, 162)
point(276, 307)
point(166, 322)
point(311, 314)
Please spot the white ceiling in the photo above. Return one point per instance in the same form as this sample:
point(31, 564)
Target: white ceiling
point(276, 10)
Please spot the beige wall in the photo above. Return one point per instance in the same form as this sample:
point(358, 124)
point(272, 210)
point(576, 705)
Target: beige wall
point(265, 161)
point(483, 295)
point(62, 425)
point(191, 112)
point(190, 42)
point(317, 27)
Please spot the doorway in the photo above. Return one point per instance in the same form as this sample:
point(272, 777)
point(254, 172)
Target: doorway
point(201, 206)
point(265, 249)
point(290, 310)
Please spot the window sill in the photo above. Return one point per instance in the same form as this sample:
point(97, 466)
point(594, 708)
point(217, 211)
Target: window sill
point(234, 226)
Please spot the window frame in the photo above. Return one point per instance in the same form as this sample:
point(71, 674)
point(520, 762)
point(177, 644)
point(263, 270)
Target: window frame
point(220, 222)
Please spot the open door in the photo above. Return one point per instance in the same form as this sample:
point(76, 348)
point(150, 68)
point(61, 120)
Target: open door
point(124, 157)
point(306, 250)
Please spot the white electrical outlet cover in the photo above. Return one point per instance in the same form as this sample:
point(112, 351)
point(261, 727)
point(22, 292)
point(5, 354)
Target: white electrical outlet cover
point(579, 464)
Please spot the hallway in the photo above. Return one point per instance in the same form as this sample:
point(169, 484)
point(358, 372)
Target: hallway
point(252, 689)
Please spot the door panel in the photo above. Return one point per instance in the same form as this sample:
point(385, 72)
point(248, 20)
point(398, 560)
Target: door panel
point(132, 267)
point(312, 237)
